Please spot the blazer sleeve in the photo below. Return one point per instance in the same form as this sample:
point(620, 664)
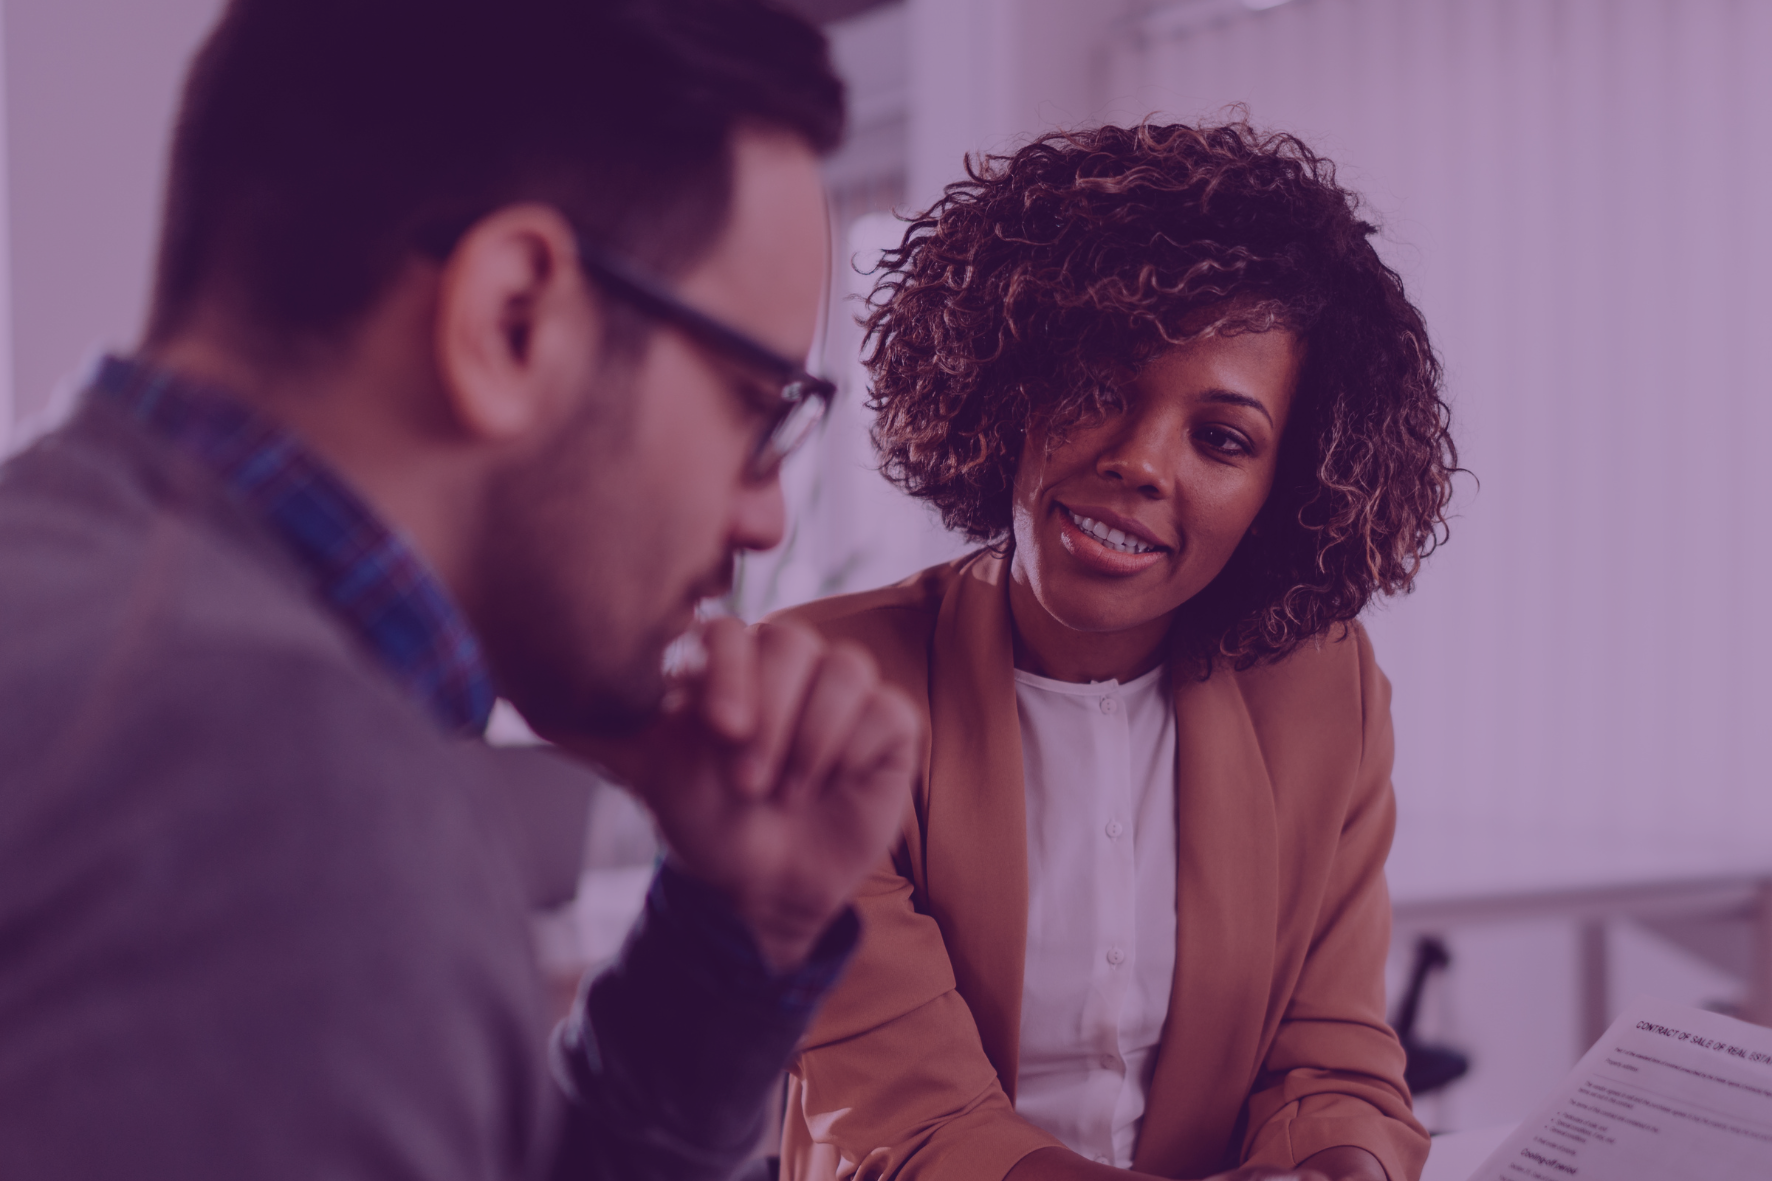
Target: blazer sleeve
point(1333, 1074)
point(893, 1081)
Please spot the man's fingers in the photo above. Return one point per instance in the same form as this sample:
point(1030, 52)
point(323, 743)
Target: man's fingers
point(728, 690)
point(840, 688)
point(854, 819)
point(881, 756)
point(787, 657)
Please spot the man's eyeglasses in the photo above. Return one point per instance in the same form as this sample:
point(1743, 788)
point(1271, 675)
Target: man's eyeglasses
point(793, 413)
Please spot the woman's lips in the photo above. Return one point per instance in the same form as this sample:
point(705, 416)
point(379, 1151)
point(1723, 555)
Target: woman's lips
point(1097, 555)
point(1134, 530)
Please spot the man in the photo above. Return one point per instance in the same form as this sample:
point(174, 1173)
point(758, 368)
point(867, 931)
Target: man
point(465, 370)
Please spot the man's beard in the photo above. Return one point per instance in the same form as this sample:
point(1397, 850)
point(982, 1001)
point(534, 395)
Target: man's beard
point(576, 659)
point(598, 710)
point(575, 685)
point(588, 681)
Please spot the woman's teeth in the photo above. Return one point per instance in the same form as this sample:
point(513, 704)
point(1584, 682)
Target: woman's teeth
point(1112, 538)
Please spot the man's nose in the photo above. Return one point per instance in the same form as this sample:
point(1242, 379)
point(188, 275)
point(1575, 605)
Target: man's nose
point(759, 514)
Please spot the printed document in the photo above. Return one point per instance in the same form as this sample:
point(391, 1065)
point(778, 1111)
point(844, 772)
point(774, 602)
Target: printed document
point(1669, 1092)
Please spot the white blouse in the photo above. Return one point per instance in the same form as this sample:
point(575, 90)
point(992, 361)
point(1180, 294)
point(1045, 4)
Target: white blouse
point(1099, 765)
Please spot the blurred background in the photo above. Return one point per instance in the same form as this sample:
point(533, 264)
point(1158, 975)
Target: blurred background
point(1578, 193)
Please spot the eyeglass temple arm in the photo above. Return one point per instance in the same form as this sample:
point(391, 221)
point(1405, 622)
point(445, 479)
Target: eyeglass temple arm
point(651, 297)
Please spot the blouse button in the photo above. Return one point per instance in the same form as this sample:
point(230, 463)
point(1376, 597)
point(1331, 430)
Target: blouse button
point(1108, 1062)
point(1115, 956)
point(1114, 829)
point(1110, 705)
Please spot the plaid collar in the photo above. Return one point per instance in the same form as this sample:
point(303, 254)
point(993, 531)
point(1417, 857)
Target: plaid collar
point(371, 579)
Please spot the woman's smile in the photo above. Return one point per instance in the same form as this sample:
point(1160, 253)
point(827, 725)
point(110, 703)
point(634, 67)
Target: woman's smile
point(1100, 541)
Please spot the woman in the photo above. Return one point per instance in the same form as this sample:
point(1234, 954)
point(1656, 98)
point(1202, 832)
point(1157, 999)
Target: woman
point(1138, 917)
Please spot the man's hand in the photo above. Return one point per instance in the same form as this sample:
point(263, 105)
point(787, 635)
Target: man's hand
point(779, 774)
point(1332, 1164)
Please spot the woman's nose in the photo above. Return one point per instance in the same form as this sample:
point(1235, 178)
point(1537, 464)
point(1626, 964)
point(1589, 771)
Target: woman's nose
point(1140, 455)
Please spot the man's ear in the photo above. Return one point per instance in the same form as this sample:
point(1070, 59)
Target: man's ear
point(517, 334)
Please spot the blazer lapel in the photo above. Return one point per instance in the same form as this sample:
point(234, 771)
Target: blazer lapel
point(976, 855)
point(1227, 916)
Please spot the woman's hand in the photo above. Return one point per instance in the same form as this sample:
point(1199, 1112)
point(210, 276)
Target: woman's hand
point(1332, 1164)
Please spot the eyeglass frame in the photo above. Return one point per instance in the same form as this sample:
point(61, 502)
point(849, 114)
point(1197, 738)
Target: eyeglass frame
point(628, 281)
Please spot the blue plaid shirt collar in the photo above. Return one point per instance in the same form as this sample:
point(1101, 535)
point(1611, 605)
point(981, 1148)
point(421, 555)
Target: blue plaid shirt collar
point(371, 579)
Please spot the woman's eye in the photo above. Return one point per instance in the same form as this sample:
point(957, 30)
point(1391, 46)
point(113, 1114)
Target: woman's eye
point(1225, 441)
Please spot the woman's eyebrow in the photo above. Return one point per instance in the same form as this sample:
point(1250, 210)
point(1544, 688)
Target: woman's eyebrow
point(1236, 399)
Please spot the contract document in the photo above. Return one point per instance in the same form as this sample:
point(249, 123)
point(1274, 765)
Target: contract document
point(1669, 1092)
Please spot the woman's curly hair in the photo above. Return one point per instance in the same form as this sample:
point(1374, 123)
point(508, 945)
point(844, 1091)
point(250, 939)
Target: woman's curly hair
point(1031, 292)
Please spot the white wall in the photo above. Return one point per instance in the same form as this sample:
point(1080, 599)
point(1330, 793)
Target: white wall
point(90, 87)
point(6, 381)
point(1575, 192)
point(987, 73)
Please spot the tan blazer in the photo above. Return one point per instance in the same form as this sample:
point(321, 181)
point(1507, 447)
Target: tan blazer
point(1275, 1047)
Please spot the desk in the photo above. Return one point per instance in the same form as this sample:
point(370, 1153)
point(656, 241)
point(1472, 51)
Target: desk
point(1447, 875)
point(1456, 1155)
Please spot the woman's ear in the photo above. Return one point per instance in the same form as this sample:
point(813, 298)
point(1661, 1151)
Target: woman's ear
point(517, 333)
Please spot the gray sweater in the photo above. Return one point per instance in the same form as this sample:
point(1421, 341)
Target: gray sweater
point(261, 918)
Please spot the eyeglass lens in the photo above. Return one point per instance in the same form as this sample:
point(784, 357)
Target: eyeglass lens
point(797, 422)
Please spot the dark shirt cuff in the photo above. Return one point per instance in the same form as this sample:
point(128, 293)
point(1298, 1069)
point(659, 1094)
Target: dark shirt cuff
point(672, 1053)
point(715, 939)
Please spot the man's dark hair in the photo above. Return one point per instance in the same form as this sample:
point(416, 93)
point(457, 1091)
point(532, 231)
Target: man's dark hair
point(1032, 292)
point(323, 143)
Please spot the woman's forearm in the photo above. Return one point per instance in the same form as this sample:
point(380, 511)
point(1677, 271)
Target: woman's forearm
point(1346, 1164)
point(1061, 1164)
